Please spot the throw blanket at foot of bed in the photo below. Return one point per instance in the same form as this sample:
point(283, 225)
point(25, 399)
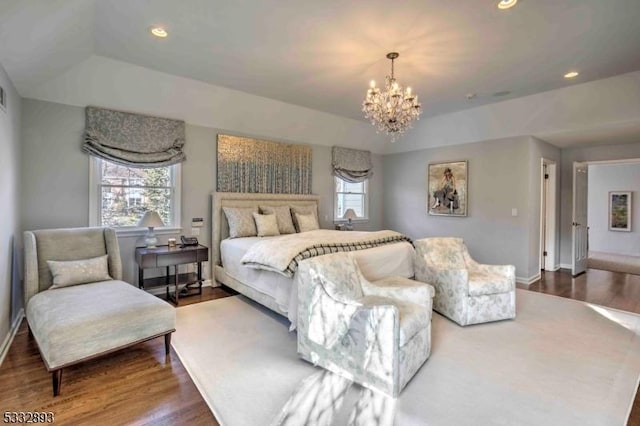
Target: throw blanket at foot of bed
point(283, 254)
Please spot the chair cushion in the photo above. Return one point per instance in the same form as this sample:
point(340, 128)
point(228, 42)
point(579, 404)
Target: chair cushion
point(413, 317)
point(482, 283)
point(73, 323)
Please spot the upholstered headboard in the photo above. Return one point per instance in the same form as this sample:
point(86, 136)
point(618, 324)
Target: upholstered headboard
point(219, 224)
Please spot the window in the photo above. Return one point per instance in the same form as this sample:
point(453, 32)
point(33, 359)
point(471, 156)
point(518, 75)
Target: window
point(351, 196)
point(120, 195)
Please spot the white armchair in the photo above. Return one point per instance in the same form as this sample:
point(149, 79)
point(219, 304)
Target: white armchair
point(466, 291)
point(377, 334)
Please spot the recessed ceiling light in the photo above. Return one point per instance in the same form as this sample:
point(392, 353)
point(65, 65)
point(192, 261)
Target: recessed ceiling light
point(571, 74)
point(506, 4)
point(159, 32)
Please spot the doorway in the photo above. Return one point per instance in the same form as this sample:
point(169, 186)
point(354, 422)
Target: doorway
point(583, 219)
point(548, 210)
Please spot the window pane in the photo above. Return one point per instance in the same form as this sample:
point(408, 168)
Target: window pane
point(353, 187)
point(350, 201)
point(115, 174)
point(128, 192)
point(123, 206)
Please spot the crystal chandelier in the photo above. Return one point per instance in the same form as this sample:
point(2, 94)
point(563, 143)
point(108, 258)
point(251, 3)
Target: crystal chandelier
point(391, 111)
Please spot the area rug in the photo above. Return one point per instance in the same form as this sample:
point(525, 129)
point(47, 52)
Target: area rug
point(560, 362)
point(614, 262)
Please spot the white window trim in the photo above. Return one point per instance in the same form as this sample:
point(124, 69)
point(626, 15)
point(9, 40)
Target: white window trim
point(340, 220)
point(94, 202)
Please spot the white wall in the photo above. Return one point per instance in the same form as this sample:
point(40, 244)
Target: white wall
point(10, 237)
point(55, 176)
point(602, 179)
point(499, 180)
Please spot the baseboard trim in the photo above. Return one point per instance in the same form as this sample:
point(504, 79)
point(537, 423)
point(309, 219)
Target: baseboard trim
point(528, 281)
point(565, 266)
point(6, 344)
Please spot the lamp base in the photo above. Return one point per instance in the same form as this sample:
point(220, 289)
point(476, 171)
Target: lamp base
point(348, 226)
point(150, 240)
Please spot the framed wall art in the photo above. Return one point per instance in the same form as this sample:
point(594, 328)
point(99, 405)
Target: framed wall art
point(447, 189)
point(620, 211)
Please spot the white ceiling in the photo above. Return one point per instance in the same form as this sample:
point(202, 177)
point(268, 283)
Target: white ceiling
point(322, 54)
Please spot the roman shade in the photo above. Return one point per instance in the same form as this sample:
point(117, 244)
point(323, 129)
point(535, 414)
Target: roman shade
point(133, 139)
point(351, 165)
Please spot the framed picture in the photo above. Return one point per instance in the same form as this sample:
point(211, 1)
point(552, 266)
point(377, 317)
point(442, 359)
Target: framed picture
point(620, 211)
point(447, 193)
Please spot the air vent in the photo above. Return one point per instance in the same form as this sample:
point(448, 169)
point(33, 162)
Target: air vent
point(3, 99)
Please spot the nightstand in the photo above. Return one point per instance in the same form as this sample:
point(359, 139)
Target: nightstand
point(165, 256)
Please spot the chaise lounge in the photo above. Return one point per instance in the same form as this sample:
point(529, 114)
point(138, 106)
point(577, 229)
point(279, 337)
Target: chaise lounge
point(77, 307)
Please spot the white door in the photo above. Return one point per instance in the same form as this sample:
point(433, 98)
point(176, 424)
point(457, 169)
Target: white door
point(579, 220)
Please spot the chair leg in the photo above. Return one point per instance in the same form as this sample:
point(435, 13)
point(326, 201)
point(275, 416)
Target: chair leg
point(167, 343)
point(56, 377)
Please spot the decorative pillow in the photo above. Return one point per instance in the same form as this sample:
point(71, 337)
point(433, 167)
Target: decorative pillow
point(306, 222)
point(74, 272)
point(303, 210)
point(267, 224)
point(283, 216)
point(241, 223)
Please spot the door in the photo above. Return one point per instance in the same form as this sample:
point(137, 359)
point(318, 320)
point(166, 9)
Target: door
point(579, 219)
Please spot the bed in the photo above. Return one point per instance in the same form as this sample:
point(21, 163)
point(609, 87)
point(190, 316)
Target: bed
point(275, 290)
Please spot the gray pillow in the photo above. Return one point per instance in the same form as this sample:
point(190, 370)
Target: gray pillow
point(306, 222)
point(74, 272)
point(283, 217)
point(241, 223)
point(267, 224)
point(303, 210)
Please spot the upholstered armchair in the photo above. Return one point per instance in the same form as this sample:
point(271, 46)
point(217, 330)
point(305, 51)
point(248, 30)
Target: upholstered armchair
point(76, 305)
point(466, 291)
point(377, 334)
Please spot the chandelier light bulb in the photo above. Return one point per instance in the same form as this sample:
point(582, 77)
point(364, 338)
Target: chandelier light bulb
point(373, 84)
point(392, 109)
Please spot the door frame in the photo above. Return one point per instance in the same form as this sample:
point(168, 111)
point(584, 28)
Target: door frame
point(634, 160)
point(548, 216)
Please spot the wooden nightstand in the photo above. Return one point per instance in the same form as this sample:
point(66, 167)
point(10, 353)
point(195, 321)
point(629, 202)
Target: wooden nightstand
point(165, 256)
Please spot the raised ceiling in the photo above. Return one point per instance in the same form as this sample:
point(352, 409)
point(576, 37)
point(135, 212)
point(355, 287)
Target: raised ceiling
point(322, 54)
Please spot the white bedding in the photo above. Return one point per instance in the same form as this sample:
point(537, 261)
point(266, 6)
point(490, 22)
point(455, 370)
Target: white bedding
point(375, 263)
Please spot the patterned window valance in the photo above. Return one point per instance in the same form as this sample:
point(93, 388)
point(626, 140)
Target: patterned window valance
point(133, 139)
point(253, 165)
point(351, 165)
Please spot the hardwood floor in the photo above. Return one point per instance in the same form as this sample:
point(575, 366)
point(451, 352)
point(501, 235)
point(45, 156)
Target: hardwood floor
point(139, 386)
point(134, 386)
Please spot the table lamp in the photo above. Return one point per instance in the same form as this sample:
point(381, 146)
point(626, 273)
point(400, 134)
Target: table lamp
point(349, 214)
point(151, 219)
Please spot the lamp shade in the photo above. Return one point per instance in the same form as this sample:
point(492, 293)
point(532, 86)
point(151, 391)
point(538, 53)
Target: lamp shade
point(151, 219)
point(350, 214)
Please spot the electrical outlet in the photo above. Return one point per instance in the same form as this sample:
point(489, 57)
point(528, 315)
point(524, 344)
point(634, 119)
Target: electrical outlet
point(195, 232)
point(514, 212)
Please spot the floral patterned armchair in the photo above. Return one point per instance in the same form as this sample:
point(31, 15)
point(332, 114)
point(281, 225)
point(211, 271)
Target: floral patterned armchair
point(377, 334)
point(466, 291)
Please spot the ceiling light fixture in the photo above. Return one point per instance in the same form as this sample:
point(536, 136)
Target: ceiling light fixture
point(391, 111)
point(506, 4)
point(571, 74)
point(159, 32)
